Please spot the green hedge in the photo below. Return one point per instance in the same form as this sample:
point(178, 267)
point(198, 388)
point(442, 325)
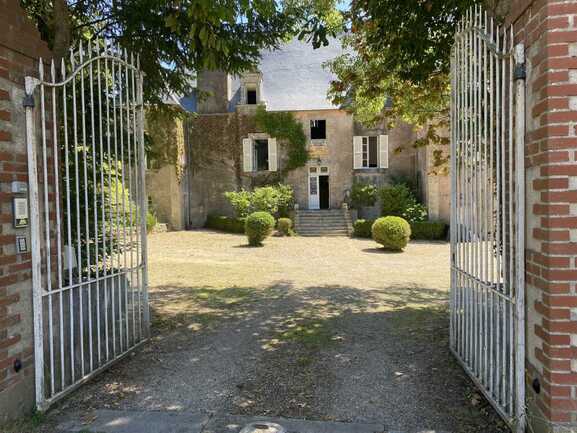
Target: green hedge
point(392, 232)
point(429, 230)
point(225, 224)
point(362, 228)
point(258, 227)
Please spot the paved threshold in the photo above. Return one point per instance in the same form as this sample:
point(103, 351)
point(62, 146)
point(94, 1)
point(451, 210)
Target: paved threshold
point(120, 421)
point(111, 421)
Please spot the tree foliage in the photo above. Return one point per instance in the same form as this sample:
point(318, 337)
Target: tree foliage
point(176, 37)
point(400, 49)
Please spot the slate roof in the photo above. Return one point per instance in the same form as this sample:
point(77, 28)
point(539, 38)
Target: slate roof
point(294, 78)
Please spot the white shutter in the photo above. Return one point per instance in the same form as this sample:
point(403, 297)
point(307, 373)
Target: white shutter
point(246, 154)
point(357, 152)
point(383, 151)
point(272, 155)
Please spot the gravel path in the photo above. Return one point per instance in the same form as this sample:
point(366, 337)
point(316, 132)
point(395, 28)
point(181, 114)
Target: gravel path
point(316, 328)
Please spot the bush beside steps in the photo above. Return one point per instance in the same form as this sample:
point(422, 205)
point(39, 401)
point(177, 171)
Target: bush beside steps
point(425, 230)
point(225, 224)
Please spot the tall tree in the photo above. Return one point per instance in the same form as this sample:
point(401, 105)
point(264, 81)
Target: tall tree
point(400, 49)
point(176, 37)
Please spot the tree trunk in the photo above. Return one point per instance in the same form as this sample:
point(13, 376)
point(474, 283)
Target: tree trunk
point(61, 29)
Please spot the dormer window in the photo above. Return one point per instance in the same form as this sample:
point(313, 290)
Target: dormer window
point(251, 89)
point(251, 98)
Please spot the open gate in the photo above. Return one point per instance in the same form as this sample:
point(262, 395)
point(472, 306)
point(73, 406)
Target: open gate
point(488, 212)
point(85, 143)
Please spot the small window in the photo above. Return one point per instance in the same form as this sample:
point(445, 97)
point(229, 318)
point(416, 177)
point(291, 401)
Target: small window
point(318, 129)
point(251, 96)
point(313, 169)
point(324, 169)
point(370, 152)
point(261, 155)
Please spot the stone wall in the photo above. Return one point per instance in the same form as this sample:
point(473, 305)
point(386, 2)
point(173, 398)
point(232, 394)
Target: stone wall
point(215, 160)
point(20, 47)
point(549, 30)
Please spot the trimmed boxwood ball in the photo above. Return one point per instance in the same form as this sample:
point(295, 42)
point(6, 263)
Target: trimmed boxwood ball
point(285, 226)
point(392, 232)
point(258, 226)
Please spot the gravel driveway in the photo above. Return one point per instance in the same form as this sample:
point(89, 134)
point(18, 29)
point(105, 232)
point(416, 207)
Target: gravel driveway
point(316, 328)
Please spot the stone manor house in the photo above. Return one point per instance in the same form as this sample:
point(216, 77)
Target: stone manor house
point(226, 152)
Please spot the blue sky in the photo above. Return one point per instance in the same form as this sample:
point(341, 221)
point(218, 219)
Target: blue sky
point(343, 4)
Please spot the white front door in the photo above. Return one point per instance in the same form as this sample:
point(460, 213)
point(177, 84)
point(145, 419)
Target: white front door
point(314, 202)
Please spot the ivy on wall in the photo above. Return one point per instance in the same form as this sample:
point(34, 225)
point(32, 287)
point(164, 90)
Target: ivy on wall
point(284, 126)
point(165, 139)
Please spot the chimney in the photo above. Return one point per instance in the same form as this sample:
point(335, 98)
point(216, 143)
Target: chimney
point(215, 88)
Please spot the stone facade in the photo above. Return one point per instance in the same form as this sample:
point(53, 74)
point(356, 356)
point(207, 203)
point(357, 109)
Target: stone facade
point(549, 30)
point(20, 48)
point(218, 168)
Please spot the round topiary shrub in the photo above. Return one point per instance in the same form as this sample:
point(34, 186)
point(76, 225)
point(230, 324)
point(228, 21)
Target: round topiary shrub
point(258, 227)
point(285, 226)
point(391, 232)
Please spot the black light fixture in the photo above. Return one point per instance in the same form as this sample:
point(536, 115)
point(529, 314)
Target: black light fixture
point(388, 103)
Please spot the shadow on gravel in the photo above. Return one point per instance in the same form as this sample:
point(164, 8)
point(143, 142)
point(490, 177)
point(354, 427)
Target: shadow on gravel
point(330, 353)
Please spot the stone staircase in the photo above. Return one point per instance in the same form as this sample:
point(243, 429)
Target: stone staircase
point(333, 222)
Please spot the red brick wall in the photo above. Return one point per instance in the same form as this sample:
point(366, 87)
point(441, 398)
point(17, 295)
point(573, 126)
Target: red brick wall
point(549, 30)
point(20, 47)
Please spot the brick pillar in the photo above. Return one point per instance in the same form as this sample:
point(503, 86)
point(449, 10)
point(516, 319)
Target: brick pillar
point(549, 30)
point(20, 47)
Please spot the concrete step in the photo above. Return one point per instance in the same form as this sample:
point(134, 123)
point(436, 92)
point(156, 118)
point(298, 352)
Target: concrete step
point(121, 421)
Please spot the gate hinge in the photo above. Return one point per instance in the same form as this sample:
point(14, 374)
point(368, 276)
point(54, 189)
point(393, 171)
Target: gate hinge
point(28, 101)
point(520, 72)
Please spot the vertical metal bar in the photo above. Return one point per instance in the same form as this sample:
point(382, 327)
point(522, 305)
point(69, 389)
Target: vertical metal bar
point(484, 210)
point(492, 202)
point(144, 205)
point(47, 239)
point(520, 241)
point(110, 284)
point(138, 199)
point(56, 161)
point(130, 274)
point(86, 221)
point(503, 312)
point(453, 205)
point(117, 215)
point(511, 152)
point(103, 252)
point(475, 196)
point(78, 227)
point(30, 85)
point(498, 107)
point(122, 69)
point(95, 214)
point(68, 250)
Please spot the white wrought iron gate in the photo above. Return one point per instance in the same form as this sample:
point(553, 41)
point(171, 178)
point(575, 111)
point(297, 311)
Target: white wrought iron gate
point(488, 212)
point(85, 141)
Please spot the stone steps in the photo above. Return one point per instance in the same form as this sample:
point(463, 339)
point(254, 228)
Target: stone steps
point(334, 222)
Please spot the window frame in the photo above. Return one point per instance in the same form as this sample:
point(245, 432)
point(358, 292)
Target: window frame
point(318, 141)
point(366, 152)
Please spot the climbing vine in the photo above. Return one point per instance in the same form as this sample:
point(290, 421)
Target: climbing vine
point(165, 139)
point(284, 126)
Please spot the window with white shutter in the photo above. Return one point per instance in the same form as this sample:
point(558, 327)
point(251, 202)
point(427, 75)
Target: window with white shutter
point(272, 155)
point(357, 152)
point(247, 156)
point(371, 151)
point(383, 151)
